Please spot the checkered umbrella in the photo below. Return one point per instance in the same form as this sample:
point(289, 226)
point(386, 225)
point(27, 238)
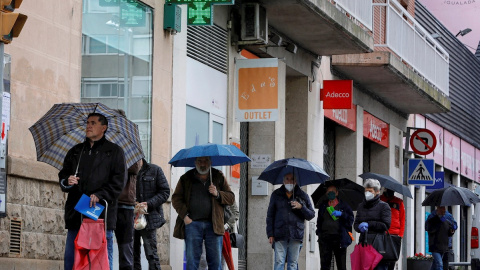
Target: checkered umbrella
point(63, 126)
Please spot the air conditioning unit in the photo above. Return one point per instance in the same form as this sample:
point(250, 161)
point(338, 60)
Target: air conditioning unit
point(254, 24)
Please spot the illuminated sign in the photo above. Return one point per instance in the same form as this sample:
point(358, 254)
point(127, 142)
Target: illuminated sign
point(200, 12)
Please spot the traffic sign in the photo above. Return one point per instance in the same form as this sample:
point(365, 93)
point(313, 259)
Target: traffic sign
point(423, 141)
point(421, 172)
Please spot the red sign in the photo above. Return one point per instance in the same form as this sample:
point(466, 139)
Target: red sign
point(375, 129)
point(423, 141)
point(344, 117)
point(337, 94)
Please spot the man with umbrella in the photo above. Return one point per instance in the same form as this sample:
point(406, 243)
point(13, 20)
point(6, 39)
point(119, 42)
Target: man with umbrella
point(334, 228)
point(96, 168)
point(440, 225)
point(199, 199)
point(288, 209)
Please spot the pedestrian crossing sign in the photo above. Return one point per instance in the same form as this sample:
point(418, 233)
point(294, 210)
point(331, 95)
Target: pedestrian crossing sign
point(421, 172)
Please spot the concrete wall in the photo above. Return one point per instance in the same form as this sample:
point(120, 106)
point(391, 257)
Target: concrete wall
point(264, 138)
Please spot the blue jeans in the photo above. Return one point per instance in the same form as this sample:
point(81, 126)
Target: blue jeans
point(195, 233)
point(437, 261)
point(287, 250)
point(70, 249)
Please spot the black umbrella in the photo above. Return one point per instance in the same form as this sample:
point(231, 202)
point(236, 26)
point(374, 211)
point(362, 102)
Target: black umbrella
point(451, 196)
point(388, 182)
point(348, 191)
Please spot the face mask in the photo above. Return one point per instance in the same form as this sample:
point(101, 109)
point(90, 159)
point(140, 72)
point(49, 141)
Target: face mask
point(369, 195)
point(331, 195)
point(289, 187)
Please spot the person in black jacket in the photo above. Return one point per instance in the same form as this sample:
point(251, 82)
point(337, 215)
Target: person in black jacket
point(288, 209)
point(440, 226)
point(333, 230)
point(152, 190)
point(373, 215)
point(96, 168)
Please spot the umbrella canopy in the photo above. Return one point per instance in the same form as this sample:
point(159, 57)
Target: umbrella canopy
point(220, 155)
point(451, 196)
point(388, 182)
point(348, 191)
point(305, 172)
point(64, 125)
point(364, 257)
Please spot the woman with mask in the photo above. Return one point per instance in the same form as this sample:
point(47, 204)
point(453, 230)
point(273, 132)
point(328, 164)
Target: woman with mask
point(288, 209)
point(334, 228)
point(373, 215)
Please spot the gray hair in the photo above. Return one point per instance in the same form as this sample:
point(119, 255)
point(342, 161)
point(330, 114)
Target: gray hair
point(372, 183)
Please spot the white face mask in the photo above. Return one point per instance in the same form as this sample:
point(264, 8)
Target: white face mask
point(289, 187)
point(369, 195)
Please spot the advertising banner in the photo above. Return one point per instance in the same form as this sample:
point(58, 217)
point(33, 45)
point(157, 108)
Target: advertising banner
point(451, 159)
point(343, 117)
point(256, 88)
point(375, 129)
point(477, 165)
point(467, 160)
point(337, 94)
point(437, 154)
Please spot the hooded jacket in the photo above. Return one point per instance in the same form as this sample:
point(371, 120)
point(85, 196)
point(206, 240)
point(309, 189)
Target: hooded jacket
point(397, 226)
point(153, 188)
point(102, 171)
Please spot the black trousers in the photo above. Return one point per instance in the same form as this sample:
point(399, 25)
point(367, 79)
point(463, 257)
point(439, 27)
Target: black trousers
point(329, 245)
point(150, 246)
point(124, 234)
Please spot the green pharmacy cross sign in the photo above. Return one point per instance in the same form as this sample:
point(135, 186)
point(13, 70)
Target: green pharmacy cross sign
point(200, 12)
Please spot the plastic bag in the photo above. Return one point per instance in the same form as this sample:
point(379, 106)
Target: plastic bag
point(140, 222)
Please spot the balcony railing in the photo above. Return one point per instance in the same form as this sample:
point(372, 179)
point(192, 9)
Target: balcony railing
point(360, 10)
point(399, 32)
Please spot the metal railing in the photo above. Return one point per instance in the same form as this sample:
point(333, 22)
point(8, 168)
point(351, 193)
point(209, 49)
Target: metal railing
point(360, 10)
point(401, 33)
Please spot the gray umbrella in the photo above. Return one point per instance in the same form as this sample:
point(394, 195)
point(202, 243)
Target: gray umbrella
point(451, 196)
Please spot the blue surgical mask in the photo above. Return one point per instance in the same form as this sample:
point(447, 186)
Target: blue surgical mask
point(289, 187)
point(331, 195)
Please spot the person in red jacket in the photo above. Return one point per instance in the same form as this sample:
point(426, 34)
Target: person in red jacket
point(397, 227)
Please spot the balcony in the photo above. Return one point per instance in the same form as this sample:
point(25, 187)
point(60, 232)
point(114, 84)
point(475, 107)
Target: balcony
point(408, 70)
point(322, 27)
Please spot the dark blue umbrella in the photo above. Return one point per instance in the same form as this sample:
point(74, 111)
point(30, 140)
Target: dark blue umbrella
point(388, 182)
point(220, 155)
point(451, 196)
point(305, 172)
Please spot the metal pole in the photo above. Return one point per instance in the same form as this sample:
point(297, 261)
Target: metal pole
point(406, 200)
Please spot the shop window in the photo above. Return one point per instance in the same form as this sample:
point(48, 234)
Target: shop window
point(329, 148)
point(117, 42)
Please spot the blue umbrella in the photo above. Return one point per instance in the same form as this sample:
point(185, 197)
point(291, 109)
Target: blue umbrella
point(220, 155)
point(305, 172)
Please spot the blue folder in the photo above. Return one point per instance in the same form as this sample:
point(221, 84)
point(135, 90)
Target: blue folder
point(83, 206)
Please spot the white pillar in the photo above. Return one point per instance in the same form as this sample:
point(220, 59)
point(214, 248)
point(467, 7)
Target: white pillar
point(456, 216)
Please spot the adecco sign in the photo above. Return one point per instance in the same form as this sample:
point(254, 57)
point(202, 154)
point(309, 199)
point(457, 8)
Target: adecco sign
point(337, 94)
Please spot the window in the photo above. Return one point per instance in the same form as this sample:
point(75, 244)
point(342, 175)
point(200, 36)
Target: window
point(117, 41)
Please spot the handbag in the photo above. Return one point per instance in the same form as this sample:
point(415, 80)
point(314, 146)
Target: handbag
point(387, 245)
point(236, 240)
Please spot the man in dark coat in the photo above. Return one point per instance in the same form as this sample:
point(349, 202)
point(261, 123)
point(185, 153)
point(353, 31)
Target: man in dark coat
point(153, 191)
point(288, 209)
point(373, 215)
point(96, 168)
point(440, 225)
point(334, 230)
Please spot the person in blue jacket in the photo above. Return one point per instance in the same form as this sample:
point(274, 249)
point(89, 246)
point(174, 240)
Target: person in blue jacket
point(440, 226)
point(288, 209)
point(334, 230)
